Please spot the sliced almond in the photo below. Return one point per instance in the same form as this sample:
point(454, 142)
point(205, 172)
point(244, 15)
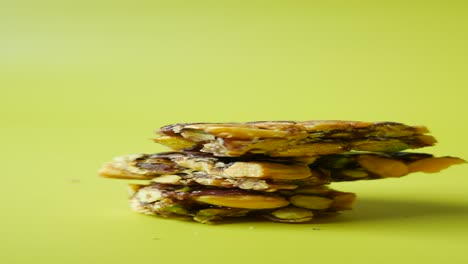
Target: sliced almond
point(382, 166)
point(175, 143)
point(198, 136)
point(308, 150)
point(268, 170)
point(195, 164)
point(115, 170)
point(431, 165)
point(167, 179)
point(245, 132)
point(388, 145)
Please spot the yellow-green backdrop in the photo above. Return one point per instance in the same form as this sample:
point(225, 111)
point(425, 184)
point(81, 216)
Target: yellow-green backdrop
point(83, 81)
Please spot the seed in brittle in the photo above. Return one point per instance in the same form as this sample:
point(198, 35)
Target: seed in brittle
point(355, 173)
point(175, 143)
point(343, 201)
point(210, 215)
point(311, 202)
point(243, 201)
point(292, 214)
point(148, 195)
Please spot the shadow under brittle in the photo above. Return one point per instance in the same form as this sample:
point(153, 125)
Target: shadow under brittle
point(366, 209)
point(372, 209)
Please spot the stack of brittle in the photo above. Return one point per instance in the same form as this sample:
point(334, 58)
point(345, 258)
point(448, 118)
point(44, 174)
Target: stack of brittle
point(279, 170)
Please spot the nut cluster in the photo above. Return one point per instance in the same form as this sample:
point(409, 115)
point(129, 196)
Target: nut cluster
point(276, 170)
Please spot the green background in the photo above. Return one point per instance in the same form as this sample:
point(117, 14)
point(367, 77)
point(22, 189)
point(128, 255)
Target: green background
point(84, 81)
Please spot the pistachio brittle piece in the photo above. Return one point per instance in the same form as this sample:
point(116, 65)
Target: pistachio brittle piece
point(291, 214)
point(147, 166)
point(433, 164)
point(294, 139)
point(271, 174)
point(209, 205)
point(243, 201)
point(366, 166)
